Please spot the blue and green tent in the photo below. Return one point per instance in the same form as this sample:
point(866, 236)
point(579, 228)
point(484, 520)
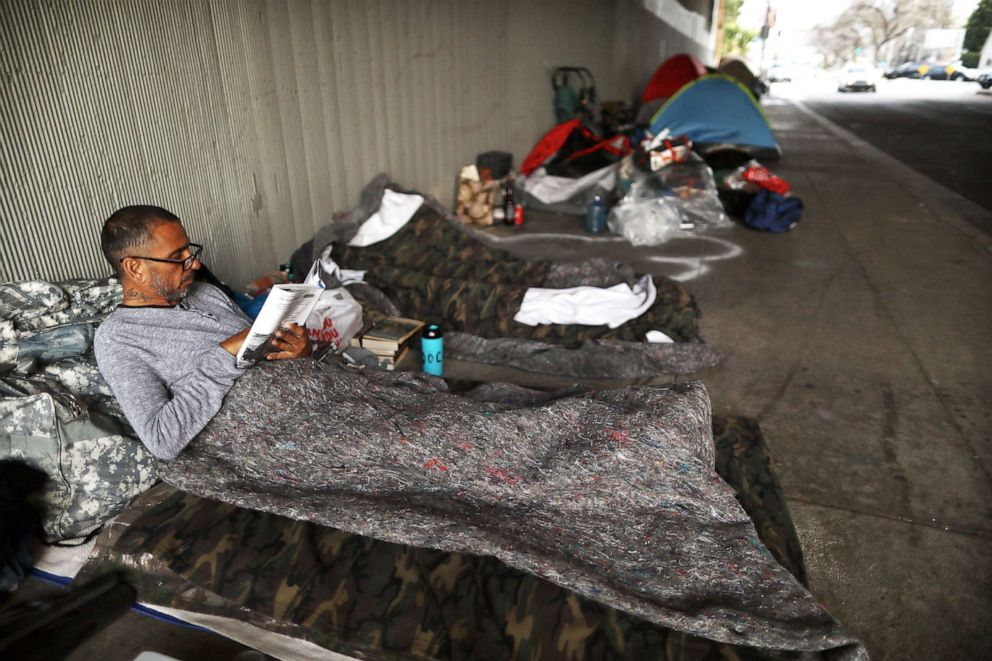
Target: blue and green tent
point(717, 112)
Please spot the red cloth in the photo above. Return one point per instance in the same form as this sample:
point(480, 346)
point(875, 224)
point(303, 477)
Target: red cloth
point(548, 145)
point(762, 176)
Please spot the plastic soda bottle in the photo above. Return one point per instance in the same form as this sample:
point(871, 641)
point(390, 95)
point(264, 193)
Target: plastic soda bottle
point(432, 348)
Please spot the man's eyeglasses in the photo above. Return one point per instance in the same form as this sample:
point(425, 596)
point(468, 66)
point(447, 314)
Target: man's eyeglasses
point(195, 251)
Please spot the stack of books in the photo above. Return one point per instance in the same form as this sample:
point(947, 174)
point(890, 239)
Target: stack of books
point(389, 339)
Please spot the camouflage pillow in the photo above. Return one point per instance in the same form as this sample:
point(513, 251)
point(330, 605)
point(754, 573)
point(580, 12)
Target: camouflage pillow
point(96, 470)
point(45, 321)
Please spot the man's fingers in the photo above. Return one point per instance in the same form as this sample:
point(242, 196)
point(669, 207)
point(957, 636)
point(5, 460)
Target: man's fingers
point(291, 333)
point(290, 342)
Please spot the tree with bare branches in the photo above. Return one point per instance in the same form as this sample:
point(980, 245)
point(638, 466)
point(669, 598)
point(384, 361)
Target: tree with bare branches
point(871, 24)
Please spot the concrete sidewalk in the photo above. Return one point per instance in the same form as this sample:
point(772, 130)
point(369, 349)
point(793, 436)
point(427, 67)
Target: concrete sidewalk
point(862, 342)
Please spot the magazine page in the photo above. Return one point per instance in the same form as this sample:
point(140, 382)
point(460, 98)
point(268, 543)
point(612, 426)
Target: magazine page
point(285, 305)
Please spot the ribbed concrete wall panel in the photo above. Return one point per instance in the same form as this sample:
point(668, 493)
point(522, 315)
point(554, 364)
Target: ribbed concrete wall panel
point(256, 120)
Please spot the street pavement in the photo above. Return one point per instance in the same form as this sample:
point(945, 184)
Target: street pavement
point(941, 129)
point(861, 342)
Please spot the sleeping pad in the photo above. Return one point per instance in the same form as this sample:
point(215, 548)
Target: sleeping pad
point(610, 494)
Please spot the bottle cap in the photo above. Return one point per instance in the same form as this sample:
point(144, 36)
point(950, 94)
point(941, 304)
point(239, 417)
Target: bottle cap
point(432, 331)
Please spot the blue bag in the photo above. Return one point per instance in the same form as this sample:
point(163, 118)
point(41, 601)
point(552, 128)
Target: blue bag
point(772, 212)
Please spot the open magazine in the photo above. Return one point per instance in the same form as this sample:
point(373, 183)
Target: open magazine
point(285, 305)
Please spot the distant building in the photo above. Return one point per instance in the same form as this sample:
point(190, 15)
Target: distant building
point(985, 57)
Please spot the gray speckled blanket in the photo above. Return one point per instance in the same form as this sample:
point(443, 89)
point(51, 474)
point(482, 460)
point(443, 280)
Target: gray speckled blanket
point(611, 494)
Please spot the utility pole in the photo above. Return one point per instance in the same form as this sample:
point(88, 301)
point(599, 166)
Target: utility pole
point(766, 30)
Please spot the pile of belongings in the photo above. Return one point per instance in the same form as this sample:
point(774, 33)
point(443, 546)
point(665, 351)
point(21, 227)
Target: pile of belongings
point(667, 188)
point(761, 199)
point(570, 165)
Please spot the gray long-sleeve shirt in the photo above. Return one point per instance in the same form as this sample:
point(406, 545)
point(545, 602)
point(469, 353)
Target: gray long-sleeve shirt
point(166, 366)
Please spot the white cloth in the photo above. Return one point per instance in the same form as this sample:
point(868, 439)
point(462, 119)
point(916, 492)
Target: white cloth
point(551, 190)
point(394, 212)
point(587, 306)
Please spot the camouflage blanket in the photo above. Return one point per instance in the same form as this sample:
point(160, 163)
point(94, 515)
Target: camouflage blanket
point(373, 599)
point(433, 269)
point(437, 269)
point(611, 494)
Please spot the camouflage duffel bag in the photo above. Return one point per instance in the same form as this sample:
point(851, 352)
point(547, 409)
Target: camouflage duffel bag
point(94, 469)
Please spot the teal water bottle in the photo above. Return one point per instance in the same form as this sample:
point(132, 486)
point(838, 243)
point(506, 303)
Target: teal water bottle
point(432, 347)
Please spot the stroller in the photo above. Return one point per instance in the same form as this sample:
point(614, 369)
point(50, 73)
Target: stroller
point(574, 93)
point(575, 97)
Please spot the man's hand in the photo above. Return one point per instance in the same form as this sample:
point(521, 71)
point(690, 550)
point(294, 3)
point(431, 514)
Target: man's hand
point(233, 344)
point(290, 342)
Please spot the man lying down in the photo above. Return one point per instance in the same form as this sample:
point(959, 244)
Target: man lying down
point(611, 494)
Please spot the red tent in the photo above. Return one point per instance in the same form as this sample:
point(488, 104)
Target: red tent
point(674, 72)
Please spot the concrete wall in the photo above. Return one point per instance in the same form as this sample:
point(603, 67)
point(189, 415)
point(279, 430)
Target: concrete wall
point(255, 120)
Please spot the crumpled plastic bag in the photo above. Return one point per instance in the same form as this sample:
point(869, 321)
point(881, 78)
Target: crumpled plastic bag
point(337, 316)
point(679, 196)
point(695, 192)
point(646, 222)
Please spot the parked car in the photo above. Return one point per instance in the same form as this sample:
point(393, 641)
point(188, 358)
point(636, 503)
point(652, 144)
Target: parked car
point(958, 71)
point(948, 72)
point(905, 70)
point(985, 79)
point(780, 73)
point(857, 77)
point(936, 72)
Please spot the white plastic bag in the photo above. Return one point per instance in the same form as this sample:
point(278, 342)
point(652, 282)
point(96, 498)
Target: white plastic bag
point(335, 319)
point(645, 222)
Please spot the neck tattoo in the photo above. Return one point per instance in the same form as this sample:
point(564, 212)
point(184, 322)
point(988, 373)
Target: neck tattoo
point(133, 293)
